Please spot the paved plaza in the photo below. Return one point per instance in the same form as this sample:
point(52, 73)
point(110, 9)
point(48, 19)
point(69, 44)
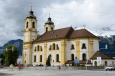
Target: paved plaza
point(35, 72)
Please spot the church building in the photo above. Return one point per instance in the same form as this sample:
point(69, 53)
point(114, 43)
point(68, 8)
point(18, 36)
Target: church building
point(61, 44)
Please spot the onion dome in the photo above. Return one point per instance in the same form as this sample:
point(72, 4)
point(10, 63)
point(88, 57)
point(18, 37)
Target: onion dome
point(31, 15)
point(49, 21)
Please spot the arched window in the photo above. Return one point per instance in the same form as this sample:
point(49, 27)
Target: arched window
point(35, 49)
point(41, 48)
point(50, 47)
point(27, 25)
point(53, 46)
point(83, 46)
point(57, 57)
point(50, 55)
point(95, 63)
point(34, 58)
point(40, 58)
point(46, 29)
point(72, 47)
point(25, 61)
point(105, 63)
point(51, 28)
point(72, 57)
point(33, 24)
point(25, 54)
point(57, 48)
point(38, 47)
point(84, 57)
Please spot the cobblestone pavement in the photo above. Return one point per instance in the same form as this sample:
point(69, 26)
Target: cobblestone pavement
point(35, 72)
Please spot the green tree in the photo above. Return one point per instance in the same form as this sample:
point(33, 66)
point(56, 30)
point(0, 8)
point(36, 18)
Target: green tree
point(48, 61)
point(2, 61)
point(11, 55)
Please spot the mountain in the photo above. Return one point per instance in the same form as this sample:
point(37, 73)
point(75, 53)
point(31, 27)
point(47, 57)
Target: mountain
point(17, 43)
point(110, 42)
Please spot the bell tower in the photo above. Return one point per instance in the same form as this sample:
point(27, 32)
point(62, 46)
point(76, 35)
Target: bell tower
point(49, 25)
point(30, 28)
point(30, 34)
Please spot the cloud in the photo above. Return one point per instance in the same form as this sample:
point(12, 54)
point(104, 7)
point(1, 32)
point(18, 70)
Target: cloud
point(94, 14)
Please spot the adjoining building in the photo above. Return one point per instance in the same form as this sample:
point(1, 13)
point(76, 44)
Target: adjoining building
point(103, 61)
point(61, 44)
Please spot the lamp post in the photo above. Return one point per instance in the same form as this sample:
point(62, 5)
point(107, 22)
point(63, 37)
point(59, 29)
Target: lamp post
point(9, 49)
point(0, 61)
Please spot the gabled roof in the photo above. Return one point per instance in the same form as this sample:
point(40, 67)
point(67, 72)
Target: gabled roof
point(100, 54)
point(56, 34)
point(68, 33)
point(82, 33)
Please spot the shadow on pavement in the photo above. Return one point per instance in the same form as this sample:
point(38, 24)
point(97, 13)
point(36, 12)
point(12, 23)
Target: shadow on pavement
point(5, 74)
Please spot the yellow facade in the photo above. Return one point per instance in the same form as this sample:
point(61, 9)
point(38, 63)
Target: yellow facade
point(77, 48)
point(30, 34)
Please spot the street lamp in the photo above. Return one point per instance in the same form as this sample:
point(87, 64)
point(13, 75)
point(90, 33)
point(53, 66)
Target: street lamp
point(9, 49)
point(0, 61)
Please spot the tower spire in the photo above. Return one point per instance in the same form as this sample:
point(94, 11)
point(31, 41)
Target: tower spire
point(31, 12)
point(31, 15)
point(31, 8)
point(49, 14)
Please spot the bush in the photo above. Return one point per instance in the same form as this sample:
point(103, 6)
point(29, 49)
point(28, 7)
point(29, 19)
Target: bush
point(72, 63)
point(82, 65)
point(40, 65)
point(77, 64)
point(48, 61)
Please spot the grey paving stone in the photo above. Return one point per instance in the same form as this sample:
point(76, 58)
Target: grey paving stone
point(35, 72)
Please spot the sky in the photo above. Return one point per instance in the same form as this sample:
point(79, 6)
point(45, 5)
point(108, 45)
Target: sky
point(98, 16)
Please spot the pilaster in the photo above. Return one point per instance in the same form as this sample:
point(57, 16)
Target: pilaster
point(91, 48)
point(63, 51)
point(78, 48)
point(45, 52)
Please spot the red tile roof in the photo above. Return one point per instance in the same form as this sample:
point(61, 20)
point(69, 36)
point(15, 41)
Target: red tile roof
point(56, 34)
point(81, 33)
point(68, 33)
point(100, 54)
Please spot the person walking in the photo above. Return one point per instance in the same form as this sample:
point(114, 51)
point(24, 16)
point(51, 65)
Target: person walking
point(63, 67)
point(46, 67)
point(19, 67)
point(59, 67)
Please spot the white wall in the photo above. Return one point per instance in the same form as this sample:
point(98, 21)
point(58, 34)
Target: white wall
point(84, 50)
point(96, 45)
point(69, 51)
point(109, 62)
point(53, 53)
